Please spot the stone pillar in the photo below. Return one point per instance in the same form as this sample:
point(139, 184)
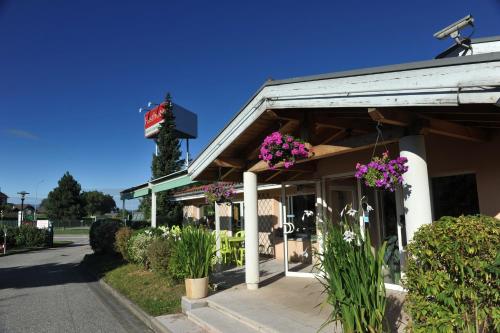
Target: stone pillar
point(251, 230)
point(153, 209)
point(416, 192)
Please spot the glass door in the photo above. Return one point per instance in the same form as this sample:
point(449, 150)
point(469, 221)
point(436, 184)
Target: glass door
point(300, 239)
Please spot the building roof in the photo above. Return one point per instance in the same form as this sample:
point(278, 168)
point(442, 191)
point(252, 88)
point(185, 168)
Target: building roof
point(3, 195)
point(437, 86)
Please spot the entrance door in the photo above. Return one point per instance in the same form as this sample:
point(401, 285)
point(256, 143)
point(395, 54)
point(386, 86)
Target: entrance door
point(300, 241)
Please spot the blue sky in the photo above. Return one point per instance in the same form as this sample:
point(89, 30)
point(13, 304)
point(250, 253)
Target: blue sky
point(74, 73)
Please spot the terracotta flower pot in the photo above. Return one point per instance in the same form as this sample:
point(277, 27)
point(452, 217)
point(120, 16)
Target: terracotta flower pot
point(196, 288)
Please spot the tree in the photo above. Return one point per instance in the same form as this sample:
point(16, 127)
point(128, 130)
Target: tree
point(63, 203)
point(95, 202)
point(166, 162)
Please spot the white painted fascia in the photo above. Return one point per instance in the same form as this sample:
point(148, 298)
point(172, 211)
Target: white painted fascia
point(435, 86)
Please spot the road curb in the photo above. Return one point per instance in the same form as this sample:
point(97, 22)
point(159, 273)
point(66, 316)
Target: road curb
point(150, 321)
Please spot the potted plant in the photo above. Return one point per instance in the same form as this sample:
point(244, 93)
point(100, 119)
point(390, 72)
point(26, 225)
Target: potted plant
point(278, 148)
point(383, 172)
point(219, 193)
point(195, 251)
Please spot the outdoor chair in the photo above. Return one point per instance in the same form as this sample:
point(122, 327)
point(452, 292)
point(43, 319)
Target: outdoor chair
point(225, 248)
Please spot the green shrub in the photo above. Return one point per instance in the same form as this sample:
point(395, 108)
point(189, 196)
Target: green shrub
point(158, 254)
point(28, 235)
point(138, 248)
point(353, 279)
point(11, 235)
point(102, 235)
point(194, 253)
point(453, 275)
point(122, 238)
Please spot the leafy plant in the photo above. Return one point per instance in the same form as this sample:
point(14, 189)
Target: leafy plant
point(138, 247)
point(278, 148)
point(453, 277)
point(383, 172)
point(158, 253)
point(28, 235)
point(122, 238)
point(194, 252)
point(219, 192)
point(102, 235)
point(352, 277)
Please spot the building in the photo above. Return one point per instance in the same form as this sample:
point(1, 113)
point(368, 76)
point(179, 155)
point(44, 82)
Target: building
point(3, 198)
point(443, 115)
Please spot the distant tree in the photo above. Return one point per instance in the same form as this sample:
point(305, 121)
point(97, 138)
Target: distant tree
point(95, 202)
point(166, 162)
point(63, 203)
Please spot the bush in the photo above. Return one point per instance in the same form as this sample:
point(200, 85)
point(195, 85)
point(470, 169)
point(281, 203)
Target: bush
point(11, 235)
point(30, 236)
point(102, 235)
point(138, 248)
point(122, 238)
point(453, 275)
point(158, 254)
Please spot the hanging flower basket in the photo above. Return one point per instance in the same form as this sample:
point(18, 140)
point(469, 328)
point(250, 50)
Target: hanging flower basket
point(383, 172)
point(277, 148)
point(219, 193)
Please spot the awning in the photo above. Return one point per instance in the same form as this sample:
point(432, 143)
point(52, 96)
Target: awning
point(165, 183)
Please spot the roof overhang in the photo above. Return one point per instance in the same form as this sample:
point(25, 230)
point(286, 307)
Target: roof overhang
point(165, 183)
point(441, 82)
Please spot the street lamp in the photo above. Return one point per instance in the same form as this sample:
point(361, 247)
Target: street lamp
point(36, 197)
point(23, 196)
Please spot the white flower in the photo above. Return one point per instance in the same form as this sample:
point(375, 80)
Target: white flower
point(369, 208)
point(307, 213)
point(352, 212)
point(349, 236)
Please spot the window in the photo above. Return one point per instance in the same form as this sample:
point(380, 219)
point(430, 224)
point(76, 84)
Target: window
point(455, 195)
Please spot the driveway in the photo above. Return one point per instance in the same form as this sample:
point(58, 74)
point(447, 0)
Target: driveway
point(46, 291)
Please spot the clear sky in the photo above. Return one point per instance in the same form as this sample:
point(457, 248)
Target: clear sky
point(74, 73)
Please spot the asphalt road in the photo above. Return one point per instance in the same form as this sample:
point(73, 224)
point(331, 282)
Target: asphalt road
point(46, 291)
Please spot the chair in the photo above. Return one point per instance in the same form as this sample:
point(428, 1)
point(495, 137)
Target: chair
point(225, 248)
point(240, 233)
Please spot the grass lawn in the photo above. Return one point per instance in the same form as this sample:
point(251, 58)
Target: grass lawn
point(71, 231)
point(150, 291)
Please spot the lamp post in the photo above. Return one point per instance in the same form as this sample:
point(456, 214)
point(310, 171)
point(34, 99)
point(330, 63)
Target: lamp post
point(36, 198)
point(23, 196)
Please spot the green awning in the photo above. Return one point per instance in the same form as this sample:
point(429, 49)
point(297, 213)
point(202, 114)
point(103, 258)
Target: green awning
point(165, 183)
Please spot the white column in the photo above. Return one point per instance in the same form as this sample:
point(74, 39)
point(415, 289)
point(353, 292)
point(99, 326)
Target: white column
point(153, 209)
point(217, 230)
point(251, 231)
point(416, 193)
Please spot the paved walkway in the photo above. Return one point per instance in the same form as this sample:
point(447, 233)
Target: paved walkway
point(45, 291)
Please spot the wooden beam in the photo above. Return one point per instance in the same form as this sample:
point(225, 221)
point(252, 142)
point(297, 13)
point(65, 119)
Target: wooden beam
point(274, 175)
point(427, 124)
point(228, 162)
point(349, 145)
point(342, 124)
point(392, 117)
point(227, 173)
point(453, 130)
point(289, 127)
point(332, 137)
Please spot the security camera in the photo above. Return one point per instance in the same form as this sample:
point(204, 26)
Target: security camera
point(453, 30)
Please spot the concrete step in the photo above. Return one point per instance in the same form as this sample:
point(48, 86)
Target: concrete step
point(268, 318)
point(214, 321)
point(180, 323)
